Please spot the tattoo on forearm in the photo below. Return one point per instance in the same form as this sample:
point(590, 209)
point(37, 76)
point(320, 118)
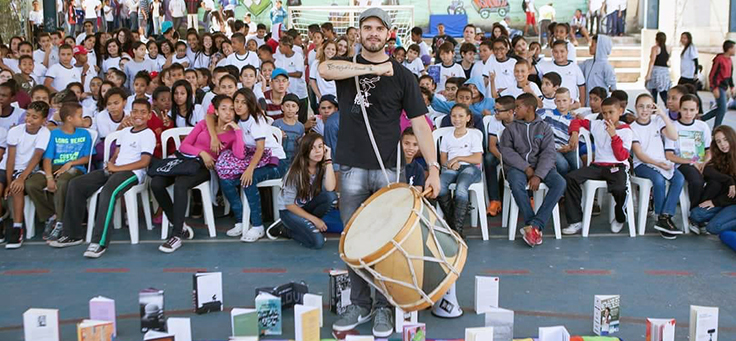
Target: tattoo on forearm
point(349, 67)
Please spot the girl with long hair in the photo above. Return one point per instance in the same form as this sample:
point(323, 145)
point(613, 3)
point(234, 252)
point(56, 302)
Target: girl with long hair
point(688, 60)
point(319, 85)
point(203, 55)
point(183, 109)
point(112, 55)
point(658, 74)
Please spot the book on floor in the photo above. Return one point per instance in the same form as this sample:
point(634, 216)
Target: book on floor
point(359, 338)
point(556, 333)
point(414, 332)
point(502, 321)
point(93, 330)
point(306, 323)
point(151, 303)
point(401, 318)
point(703, 323)
point(153, 335)
point(207, 292)
point(244, 322)
point(606, 314)
point(103, 309)
point(269, 314)
point(479, 334)
point(660, 329)
point(290, 293)
point(41, 324)
point(339, 291)
point(180, 327)
point(486, 293)
point(313, 300)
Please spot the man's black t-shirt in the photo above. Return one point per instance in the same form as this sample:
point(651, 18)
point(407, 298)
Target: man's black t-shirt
point(438, 40)
point(385, 98)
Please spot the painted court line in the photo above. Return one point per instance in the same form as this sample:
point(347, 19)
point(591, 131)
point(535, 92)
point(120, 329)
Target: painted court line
point(588, 272)
point(107, 270)
point(668, 273)
point(26, 272)
point(264, 270)
point(184, 270)
point(507, 272)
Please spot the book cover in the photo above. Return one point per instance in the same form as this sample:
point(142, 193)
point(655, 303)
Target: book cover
point(244, 322)
point(486, 293)
point(306, 323)
point(660, 329)
point(313, 300)
point(92, 330)
point(339, 291)
point(414, 332)
point(151, 303)
point(207, 292)
point(103, 309)
point(606, 314)
point(41, 324)
point(556, 333)
point(703, 323)
point(290, 293)
point(359, 338)
point(401, 318)
point(269, 314)
point(153, 335)
point(502, 321)
point(479, 334)
point(180, 327)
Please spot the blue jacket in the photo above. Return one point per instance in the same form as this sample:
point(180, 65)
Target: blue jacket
point(485, 103)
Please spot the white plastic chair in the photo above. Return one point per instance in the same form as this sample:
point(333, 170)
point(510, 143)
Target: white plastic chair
point(204, 188)
point(645, 189)
point(29, 209)
point(477, 197)
point(131, 201)
point(274, 184)
point(438, 121)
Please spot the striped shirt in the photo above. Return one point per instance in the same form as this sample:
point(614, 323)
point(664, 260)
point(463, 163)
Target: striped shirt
point(272, 109)
point(560, 125)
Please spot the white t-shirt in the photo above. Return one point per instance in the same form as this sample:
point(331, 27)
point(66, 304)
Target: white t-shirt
point(3, 138)
point(530, 6)
point(495, 127)
point(325, 87)
point(504, 73)
point(516, 91)
point(548, 103)
point(89, 8)
point(479, 68)
point(81, 37)
point(25, 144)
point(649, 136)
point(104, 124)
point(249, 58)
point(572, 76)
point(423, 49)
point(36, 17)
point(108, 13)
point(295, 63)
point(692, 142)
point(197, 115)
point(603, 148)
point(416, 66)
point(62, 76)
point(465, 145)
point(53, 56)
point(456, 70)
point(91, 73)
point(111, 63)
point(13, 119)
point(687, 64)
point(132, 145)
point(253, 131)
point(129, 102)
point(547, 12)
point(182, 60)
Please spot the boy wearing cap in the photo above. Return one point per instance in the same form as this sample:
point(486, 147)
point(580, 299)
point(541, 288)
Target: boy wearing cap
point(87, 72)
point(293, 63)
point(63, 73)
point(273, 98)
point(386, 89)
point(290, 125)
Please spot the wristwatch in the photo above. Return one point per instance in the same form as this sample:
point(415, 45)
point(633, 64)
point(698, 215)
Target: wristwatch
point(436, 165)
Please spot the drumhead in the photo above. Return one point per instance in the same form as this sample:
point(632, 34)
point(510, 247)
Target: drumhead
point(379, 222)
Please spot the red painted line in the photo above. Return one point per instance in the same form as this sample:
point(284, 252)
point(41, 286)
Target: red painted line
point(507, 272)
point(185, 270)
point(668, 273)
point(26, 272)
point(264, 270)
point(731, 274)
point(588, 272)
point(107, 270)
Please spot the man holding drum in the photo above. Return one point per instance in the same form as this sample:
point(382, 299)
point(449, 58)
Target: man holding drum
point(387, 89)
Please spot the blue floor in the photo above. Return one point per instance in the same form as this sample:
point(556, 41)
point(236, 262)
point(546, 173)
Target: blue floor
point(552, 284)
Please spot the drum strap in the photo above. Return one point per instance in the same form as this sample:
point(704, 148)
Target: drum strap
point(372, 138)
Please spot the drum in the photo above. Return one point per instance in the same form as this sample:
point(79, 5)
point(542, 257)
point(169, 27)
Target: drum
point(398, 243)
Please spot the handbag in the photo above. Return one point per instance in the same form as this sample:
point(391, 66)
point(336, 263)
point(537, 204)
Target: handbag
point(175, 166)
point(229, 167)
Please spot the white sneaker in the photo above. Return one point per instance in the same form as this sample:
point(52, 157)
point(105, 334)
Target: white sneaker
point(573, 228)
point(188, 232)
point(253, 234)
point(616, 227)
point(236, 231)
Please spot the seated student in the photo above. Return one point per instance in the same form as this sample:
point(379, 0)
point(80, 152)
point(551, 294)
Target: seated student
point(140, 84)
point(651, 163)
point(118, 78)
point(160, 120)
point(528, 151)
point(66, 157)
point(10, 115)
point(468, 51)
point(399, 54)
point(266, 160)
point(464, 96)
point(327, 107)
point(26, 144)
point(500, 67)
point(448, 67)
point(109, 120)
point(613, 142)
point(551, 81)
point(183, 110)
point(181, 54)
point(290, 125)
point(196, 145)
point(479, 102)
point(521, 85)
point(718, 206)
point(485, 52)
point(673, 99)
point(505, 106)
point(595, 98)
point(566, 157)
point(308, 193)
point(691, 150)
point(138, 64)
point(561, 33)
point(598, 70)
point(273, 98)
point(191, 76)
point(412, 61)
point(412, 168)
point(628, 116)
point(461, 157)
point(126, 168)
point(571, 75)
point(63, 73)
point(451, 86)
point(332, 125)
point(428, 96)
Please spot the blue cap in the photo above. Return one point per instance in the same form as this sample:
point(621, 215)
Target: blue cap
point(279, 72)
point(330, 98)
point(167, 25)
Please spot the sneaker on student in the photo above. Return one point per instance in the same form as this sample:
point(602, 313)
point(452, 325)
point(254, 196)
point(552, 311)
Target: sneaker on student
point(383, 325)
point(665, 224)
point(277, 230)
point(14, 238)
point(2, 233)
point(667, 236)
point(236, 231)
point(94, 250)
point(572, 228)
point(56, 232)
point(697, 228)
point(253, 234)
point(351, 318)
point(65, 241)
point(48, 227)
point(187, 232)
point(170, 245)
point(531, 236)
point(616, 227)
point(493, 208)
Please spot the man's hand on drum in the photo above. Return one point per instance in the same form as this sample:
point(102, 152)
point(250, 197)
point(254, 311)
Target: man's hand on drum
point(433, 182)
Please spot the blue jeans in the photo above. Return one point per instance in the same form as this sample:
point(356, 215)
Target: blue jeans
point(720, 111)
point(490, 162)
point(303, 230)
point(665, 202)
point(720, 218)
point(464, 177)
point(566, 162)
point(518, 181)
point(230, 191)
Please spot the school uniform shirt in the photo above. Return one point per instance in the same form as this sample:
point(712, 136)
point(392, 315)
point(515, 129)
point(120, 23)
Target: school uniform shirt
point(687, 62)
point(693, 140)
point(423, 49)
point(325, 87)
point(129, 102)
point(89, 9)
point(293, 134)
point(159, 61)
point(572, 76)
point(197, 115)
point(495, 127)
point(295, 63)
point(91, 73)
point(3, 138)
point(89, 107)
point(200, 60)
point(240, 61)
point(560, 125)
point(65, 147)
point(105, 124)
point(13, 118)
point(478, 69)
point(181, 60)
point(504, 73)
point(608, 150)
point(134, 144)
point(25, 144)
point(133, 67)
point(649, 136)
point(548, 103)
point(447, 72)
point(111, 63)
point(252, 132)
point(416, 66)
point(465, 145)
point(63, 75)
point(38, 74)
point(516, 90)
point(38, 56)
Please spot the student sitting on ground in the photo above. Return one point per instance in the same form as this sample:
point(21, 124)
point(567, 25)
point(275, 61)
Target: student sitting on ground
point(613, 142)
point(505, 106)
point(566, 157)
point(528, 154)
